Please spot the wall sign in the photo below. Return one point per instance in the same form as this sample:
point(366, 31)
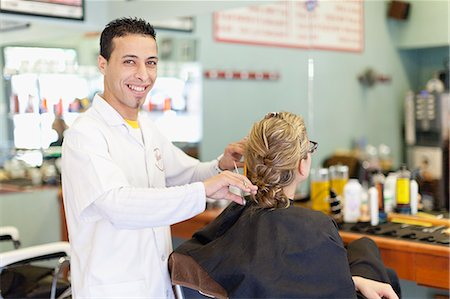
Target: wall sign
point(241, 75)
point(177, 24)
point(325, 25)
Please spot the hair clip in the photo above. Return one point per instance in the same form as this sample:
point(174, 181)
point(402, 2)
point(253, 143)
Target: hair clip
point(271, 114)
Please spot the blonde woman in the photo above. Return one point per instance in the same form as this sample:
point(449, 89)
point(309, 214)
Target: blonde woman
point(273, 249)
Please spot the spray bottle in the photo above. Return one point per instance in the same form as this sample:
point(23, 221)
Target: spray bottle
point(378, 180)
point(414, 192)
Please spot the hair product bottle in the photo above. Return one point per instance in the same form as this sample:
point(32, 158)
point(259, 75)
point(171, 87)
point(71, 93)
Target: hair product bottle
point(373, 206)
point(320, 186)
point(402, 191)
point(389, 192)
point(338, 178)
point(352, 201)
point(378, 180)
point(414, 196)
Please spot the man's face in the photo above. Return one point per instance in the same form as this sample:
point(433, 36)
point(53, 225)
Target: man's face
point(130, 73)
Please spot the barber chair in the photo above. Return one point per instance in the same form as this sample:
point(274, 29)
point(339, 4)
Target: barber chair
point(10, 233)
point(25, 272)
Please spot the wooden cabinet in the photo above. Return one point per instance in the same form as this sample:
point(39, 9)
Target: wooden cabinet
point(427, 265)
point(187, 228)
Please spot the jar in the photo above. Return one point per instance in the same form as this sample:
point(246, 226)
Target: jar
point(320, 190)
point(339, 177)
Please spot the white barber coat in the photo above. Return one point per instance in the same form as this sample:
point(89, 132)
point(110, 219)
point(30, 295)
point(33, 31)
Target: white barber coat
point(117, 205)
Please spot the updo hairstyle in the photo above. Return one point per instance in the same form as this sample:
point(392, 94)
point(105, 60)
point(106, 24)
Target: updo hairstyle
point(275, 146)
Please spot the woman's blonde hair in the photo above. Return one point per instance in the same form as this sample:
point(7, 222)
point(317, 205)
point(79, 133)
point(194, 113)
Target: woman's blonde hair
point(275, 146)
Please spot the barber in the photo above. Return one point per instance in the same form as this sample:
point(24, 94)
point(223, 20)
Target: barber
point(124, 184)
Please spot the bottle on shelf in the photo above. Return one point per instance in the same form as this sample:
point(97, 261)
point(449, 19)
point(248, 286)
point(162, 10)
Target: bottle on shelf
point(389, 192)
point(374, 206)
point(364, 206)
point(58, 108)
point(352, 201)
point(378, 180)
point(43, 106)
point(320, 186)
point(30, 104)
point(75, 105)
point(336, 207)
point(338, 178)
point(15, 109)
point(167, 104)
point(414, 192)
point(403, 191)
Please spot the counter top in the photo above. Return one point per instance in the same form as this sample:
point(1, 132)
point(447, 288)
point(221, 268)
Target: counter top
point(21, 185)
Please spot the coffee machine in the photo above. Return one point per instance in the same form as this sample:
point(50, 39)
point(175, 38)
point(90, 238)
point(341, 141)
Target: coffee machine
point(427, 126)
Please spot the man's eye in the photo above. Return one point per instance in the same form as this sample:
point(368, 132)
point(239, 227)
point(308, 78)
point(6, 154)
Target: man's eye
point(128, 62)
point(151, 62)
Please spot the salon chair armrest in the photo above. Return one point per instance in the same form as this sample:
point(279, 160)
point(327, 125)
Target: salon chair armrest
point(35, 253)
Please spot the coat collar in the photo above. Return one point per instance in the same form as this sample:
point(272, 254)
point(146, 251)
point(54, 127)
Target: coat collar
point(113, 118)
point(109, 114)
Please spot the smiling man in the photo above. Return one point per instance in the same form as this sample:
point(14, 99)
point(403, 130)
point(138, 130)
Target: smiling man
point(129, 66)
point(124, 184)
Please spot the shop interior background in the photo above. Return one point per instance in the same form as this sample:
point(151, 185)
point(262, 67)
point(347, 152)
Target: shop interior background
point(340, 111)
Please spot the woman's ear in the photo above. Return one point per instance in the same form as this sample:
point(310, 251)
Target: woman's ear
point(303, 167)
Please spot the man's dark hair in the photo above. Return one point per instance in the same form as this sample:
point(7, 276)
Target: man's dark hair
point(121, 27)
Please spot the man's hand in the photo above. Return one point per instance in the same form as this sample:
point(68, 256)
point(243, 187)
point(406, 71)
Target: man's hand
point(372, 289)
point(217, 187)
point(233, 154)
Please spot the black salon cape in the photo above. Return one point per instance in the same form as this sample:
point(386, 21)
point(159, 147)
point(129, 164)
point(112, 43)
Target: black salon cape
point(282, 253)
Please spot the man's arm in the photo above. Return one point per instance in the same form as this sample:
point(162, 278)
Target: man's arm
point(368, 271)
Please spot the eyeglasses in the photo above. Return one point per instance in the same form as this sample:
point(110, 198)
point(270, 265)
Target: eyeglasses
point(312, 147)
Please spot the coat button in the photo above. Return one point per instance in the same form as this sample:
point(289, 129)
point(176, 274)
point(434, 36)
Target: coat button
point(163, 257)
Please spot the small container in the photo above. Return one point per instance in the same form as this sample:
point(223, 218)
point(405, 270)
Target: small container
point(378, 180)
point(364, 207)
point(389, 192)
point(338, 178)
point(352, 201)
point(402, 188)
point(320, 190)
point(414, 196)
point(373, 206)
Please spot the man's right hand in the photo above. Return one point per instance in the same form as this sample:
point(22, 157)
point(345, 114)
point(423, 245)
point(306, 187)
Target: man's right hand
point(217, 187)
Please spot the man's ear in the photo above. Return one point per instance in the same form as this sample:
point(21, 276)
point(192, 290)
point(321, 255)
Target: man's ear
point(102, 64)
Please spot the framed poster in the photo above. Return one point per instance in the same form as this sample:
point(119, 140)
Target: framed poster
point(65, 9)
point(325, 25)
point(178, 24)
